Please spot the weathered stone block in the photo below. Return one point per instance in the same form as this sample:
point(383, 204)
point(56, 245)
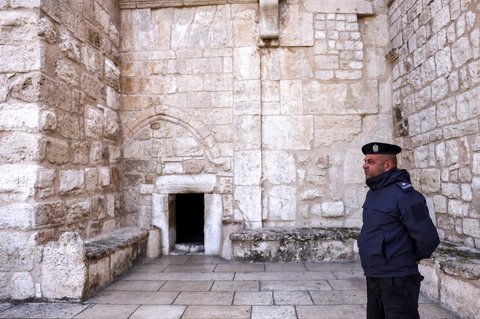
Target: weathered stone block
point(71, 180)
point(171, 184)
point(78, 210)
point(19, 117)
point(281, 203)
point(249, 204)
point(288, 132)
point(22, 147)
point(333, 209)
point(64, 272)
point(50, 213)
point(247, 168)
point(94, 122)
point(19, 247)
point(22, 286)
point(279, 167)
point(18, 181)
point(17, 215)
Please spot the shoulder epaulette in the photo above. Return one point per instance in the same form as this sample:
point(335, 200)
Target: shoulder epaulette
point(404, 186)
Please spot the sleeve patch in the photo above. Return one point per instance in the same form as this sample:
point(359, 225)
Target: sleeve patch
point(404, 186)
point(420, 212)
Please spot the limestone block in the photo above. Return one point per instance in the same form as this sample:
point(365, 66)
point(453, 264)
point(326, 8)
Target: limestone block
point(160, 219)
point(213, 223)
point(79, 152)
point(333, 209)
point(352, 174)
point(173, 168)
point(18, 247)
point(114, 153)
point(22, 286)
point(245, 27)
point(69, 46)
point(334, 128)
point(50, 213)
point(66, 71)
point(4, 88)
point(269, 19)
point(19, 116)
point(174, 184)
point(430, 282)
point(282, 203)
point(340, 6)
point(120, 261)
point(112, 74)
point(63, 267)
point(93, 122)
point(104, 176)
point(311, 194)
point(112, 98)
point(430, 181)
point(69, 125)
point(461, 52)
point(21, 58)
point(48, 120)
point(46, 30)
point(471, 227)
point(78, 210)
point(111, 124)
point(297, 30)
point(249, 201)
point(99, 274)
point(18, 181)
point(288, 132)
point(5, 291)
point(247, 167)
point(21, 147)
point(96, 152)
point(459, 295)
point(462, 129)
point(27, 87)
point(291, 94)
point(17, 215)
point(154, 244)
point(91, 179)
point(18, 26)
point(279, 167)
point(247, 132)
point(71, 180)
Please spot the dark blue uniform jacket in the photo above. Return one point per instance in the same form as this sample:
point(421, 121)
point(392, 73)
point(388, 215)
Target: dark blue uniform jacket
point(397, 230)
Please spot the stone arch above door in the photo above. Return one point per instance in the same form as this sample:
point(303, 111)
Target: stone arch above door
point(135, 126)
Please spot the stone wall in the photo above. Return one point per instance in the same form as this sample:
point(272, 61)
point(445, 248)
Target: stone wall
point(436, 89)
point(274, 98)
point(59, 132)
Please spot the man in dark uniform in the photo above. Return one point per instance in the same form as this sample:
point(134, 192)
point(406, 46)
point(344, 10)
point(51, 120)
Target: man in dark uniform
point(397, 232)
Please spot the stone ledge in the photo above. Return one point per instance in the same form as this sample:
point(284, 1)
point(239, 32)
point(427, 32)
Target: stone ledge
point(294, 244)
point(107, 244)
point(452, 278)
point(110, 255)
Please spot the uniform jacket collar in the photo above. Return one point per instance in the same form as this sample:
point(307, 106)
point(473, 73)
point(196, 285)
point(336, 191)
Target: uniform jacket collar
point(387, 178)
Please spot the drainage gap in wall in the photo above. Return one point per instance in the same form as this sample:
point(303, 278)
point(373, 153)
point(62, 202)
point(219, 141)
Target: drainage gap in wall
point(189, 218)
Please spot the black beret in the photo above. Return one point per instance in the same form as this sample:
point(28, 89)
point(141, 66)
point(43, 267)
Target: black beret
point(381, 148)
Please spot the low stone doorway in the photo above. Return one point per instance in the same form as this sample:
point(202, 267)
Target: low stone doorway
point(189, 222)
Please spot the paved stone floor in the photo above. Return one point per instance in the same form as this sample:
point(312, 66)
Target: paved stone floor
point(205, 287)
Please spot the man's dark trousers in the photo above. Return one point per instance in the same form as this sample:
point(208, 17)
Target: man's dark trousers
point(393, 297)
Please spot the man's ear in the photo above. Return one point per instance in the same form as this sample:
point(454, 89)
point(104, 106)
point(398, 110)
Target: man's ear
point(388, 165)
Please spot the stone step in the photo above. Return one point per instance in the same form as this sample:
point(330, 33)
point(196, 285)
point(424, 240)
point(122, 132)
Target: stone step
point(188, 249)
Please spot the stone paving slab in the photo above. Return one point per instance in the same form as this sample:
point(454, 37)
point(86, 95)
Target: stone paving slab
point(101, 311)
point(206, 287)
point(43, 311)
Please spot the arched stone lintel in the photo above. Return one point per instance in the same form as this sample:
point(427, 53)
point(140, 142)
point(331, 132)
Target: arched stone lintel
point(198, 130)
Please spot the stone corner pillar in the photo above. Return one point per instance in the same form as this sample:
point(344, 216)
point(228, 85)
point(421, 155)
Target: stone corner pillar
point(64, 270)
point(154, 243)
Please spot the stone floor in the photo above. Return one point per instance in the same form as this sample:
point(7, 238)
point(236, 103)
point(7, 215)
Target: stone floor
point(205, 287)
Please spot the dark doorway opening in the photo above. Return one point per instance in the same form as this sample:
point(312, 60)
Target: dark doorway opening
point(190, 218)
